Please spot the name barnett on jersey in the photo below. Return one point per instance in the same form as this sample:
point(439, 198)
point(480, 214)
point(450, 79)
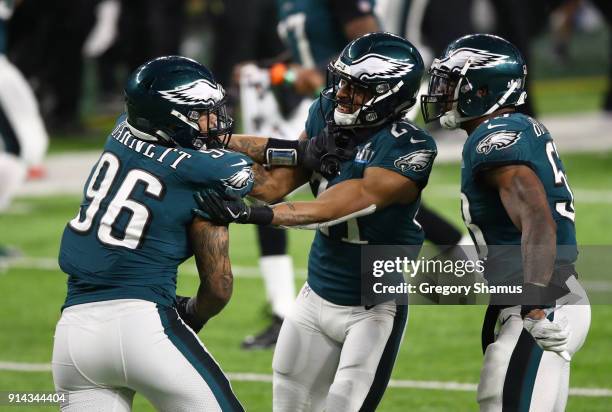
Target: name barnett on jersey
point(122, 134)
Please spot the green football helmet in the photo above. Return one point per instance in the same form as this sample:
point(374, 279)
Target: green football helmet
point(165, 99)
point(476, 75)
point(387, 68)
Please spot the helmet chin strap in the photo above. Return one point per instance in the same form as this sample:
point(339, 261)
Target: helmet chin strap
point(350, 119)
point(346, 119)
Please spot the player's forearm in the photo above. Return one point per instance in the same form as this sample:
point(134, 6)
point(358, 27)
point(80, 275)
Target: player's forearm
point(273, 184)
point(211, 300)
point(211, 250)
point(252, 146)
point(338, 202)
point(524, 199)
point(538, 248)
point(300, 213)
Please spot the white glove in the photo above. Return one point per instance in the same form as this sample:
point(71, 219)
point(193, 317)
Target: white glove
point(551, 336)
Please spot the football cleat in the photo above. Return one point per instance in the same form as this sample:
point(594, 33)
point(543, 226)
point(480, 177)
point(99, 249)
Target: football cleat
point(266, 339)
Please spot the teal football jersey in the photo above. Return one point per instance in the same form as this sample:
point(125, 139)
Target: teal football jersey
point(334, 264)
point(311, 31)
point(513, 139)
point(131, 232)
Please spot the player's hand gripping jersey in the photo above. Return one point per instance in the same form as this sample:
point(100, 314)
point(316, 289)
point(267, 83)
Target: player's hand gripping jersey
point(131, 232)
point(506, 140)
point(334, 264)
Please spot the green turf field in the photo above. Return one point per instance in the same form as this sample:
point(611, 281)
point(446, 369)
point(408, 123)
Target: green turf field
point(441, 343)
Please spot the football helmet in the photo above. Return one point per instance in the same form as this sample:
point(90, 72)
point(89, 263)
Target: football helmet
point(165, 99)
point(375, 79)
point(476, 75)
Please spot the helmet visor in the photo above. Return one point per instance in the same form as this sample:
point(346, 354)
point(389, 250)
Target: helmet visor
point(441, 95)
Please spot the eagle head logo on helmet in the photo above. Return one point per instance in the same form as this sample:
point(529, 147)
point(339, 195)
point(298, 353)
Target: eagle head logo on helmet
point(375, 66)
point(200, 92)
point(479, 59)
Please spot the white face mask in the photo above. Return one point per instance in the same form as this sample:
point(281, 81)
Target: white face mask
point(346, 119)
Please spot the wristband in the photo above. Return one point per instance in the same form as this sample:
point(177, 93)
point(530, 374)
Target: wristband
point(260, 215)
point(281, 152)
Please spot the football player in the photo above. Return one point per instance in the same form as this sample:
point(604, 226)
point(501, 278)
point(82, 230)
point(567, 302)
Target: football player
point(314, 32)
point(518, 206)
point(333, 352)
point(123, 329)
point(23, 137)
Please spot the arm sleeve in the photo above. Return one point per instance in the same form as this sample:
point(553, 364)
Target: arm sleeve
point(230, 173)
point(412, 160)
point(500, 148)
point(347, 10)
point(235, 175)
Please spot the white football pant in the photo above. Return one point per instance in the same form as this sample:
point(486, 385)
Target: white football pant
point(106, 351)
point(519, 376)
point(335, 358)
point(23, 138)
point(20, 109)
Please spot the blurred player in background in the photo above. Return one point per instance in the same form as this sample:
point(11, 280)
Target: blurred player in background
point(334, 353)
point(514, 192)
point(275, 102)
point(56, 68)
point(23, 137)
point(123, 329)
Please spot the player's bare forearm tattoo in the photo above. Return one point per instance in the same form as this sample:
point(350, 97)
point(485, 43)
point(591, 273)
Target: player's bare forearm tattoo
point(287, 214)
point(211, 250)
point(253, 147)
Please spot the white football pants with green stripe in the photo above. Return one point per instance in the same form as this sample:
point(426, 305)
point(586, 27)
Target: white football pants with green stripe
point(105, 352)
point(518, 376)
point(335, 358)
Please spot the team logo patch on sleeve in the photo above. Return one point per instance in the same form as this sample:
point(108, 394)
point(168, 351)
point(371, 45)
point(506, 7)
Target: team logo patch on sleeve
point(416, 161)
point(497, 141)
point(240, 179)
point(198, 93)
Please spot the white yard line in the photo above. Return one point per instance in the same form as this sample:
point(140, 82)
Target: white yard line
point(265, 378)
point(45, 263)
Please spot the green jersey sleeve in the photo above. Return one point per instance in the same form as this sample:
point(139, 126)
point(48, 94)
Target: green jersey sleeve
point(501, 141)
point(222, 170)
point(405, 149)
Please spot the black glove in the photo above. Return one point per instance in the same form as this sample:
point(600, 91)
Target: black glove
point(325, 152)
point(186, 310)
point(228, 208)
